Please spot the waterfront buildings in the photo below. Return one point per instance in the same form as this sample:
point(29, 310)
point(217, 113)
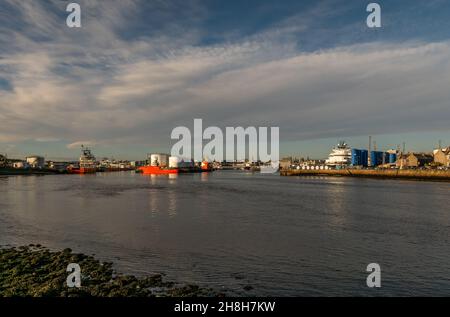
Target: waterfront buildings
point(414, 160)
point(442, 156)
point(285, 163)
point(3, 161)
point(20, 164)
point(35, 161)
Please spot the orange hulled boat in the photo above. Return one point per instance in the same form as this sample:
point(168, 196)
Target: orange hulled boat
point(158, 165)
point(157, 170)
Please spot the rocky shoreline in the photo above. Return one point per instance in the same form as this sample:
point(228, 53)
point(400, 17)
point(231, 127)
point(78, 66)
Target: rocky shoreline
point(35, 271)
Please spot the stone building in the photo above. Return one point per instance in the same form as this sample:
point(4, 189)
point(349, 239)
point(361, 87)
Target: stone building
point(414, 160)
point(442, 156)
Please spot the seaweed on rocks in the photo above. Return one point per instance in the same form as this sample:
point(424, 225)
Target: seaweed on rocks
point(35, 271)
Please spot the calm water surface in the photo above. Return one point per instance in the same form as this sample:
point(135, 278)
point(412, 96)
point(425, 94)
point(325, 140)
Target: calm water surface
point(285, 236)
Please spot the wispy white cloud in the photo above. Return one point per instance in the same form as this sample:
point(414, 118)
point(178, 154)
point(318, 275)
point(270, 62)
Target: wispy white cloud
point(97, 84)
point(78, 144)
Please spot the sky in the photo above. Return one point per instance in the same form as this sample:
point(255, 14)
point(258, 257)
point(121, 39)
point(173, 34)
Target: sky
point(135, 70)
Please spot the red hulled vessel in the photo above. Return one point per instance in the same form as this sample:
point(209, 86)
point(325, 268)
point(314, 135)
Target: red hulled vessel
point(157, 170)
point(87, 163)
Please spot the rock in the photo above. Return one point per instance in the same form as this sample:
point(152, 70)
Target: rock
point(38, 272)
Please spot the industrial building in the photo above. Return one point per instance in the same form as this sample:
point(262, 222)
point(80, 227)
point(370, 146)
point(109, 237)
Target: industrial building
point(381, 158)
point(36, 161)
point(159, 159)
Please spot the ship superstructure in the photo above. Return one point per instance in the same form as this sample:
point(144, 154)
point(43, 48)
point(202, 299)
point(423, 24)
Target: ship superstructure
point(341, 155)
point(87, 163)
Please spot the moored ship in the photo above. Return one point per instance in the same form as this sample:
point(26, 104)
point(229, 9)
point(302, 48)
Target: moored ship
point(157, 170)
point(159, 164)
point(341, 155)
point(87, 163)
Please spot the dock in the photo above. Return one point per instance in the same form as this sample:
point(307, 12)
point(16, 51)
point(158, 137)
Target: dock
point(418, 174)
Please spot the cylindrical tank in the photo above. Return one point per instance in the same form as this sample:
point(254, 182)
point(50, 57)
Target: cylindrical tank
point(18, 165)
point(364, 158)
point(154, 160)
point(376, 158)
point(159, 160)
point(392, 158)
point(173, 162)
point(36, 161)
point(356, 157)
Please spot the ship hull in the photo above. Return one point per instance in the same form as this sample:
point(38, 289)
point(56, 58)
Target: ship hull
point(22, 171)
point(83, 170)
point(156, 170)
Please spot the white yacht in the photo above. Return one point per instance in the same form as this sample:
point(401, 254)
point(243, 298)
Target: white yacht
point(341, 155)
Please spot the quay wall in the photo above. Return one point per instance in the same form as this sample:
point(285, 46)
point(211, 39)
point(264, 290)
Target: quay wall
point(381, 173)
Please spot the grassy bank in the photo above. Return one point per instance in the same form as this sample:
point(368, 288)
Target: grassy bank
point(37, 271)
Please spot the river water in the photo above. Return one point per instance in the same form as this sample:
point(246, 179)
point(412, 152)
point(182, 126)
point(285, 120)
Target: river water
point(283, 236)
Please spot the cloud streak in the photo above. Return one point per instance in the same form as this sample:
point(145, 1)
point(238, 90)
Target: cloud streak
point(100, 83)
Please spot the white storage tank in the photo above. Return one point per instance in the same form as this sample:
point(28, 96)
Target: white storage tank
point(173, 162)
point(36, 161)
point(159, 160)
point(154, 160)
point(19, 165)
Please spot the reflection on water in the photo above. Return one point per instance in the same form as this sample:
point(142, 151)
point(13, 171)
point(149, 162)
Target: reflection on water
point(154, 204)
point(172, 208)
point(204, 177)
point(336, 196)
point(282, 235)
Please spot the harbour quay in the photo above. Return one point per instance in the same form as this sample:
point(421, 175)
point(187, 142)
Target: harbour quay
point(393, 163)
point(419, 174)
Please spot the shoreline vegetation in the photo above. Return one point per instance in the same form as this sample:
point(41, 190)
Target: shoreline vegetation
point(35, 271)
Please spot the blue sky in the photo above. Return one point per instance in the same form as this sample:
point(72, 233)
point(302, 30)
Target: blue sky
point(137, 69)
